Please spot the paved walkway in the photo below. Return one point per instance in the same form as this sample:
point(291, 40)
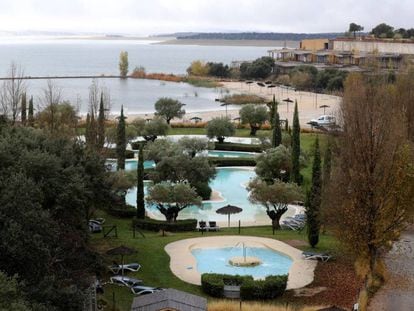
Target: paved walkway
point(398, 292)
point(183, 264)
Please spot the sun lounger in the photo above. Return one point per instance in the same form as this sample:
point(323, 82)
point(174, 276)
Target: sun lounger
point(202, 226)
point(212, 226)
point(316, 256)
point(134, 267)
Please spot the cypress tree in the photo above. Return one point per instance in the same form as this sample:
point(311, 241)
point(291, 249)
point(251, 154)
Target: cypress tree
point(31, 116)
point(121, 141)
point(24, 107)
point(92, 132)
point(313, 203)
point(101, 125)
point(140, 183)
point(88, 130)
point(327, 163)
point(277, 131)
point(295, 175)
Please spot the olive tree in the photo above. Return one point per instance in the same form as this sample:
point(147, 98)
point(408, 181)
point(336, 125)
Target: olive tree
point(171, 198)
point(274, 197)
point(168, 109)
point(192, 145)
point(150, 130)
point(274, 163)
point(220, 128)
point(255, 116)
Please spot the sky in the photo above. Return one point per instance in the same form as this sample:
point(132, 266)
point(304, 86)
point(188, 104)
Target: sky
point(143, 17)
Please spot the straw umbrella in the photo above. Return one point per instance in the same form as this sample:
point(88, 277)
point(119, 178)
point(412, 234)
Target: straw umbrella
point(287, 100)
point(121, 250)
point(196, 119)
point(324, 107)
point(228, 210)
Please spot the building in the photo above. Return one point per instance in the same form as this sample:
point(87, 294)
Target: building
point(344, 53)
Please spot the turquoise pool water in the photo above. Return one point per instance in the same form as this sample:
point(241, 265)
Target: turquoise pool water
point(130, 164)
point(216, 260)
point(230, 182)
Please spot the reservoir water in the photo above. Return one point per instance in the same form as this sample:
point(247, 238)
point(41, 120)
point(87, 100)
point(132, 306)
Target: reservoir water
point(52, 57)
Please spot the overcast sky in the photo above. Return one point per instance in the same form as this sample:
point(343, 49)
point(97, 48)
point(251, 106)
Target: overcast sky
point(166, 16)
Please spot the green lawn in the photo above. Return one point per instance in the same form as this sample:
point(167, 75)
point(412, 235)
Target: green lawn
point(155, 261)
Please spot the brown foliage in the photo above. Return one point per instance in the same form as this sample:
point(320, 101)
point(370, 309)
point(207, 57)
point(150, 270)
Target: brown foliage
point(372, 181)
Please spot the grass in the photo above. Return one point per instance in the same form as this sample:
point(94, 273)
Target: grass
point(155, 261)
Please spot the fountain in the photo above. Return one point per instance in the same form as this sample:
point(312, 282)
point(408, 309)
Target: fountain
point(244, 261)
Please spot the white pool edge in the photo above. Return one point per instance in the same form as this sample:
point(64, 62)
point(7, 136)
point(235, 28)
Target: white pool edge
point(184, 265)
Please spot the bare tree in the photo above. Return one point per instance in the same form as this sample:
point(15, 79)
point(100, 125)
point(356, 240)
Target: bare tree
point(12, 91)
point(372, 181)
point(95, 92)
point(50, 99)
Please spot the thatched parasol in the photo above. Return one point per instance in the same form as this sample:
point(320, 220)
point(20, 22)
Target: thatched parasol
point(228, 210)
point(287, 101)
point(121, 250)
point(324, 107)
point(196, 119)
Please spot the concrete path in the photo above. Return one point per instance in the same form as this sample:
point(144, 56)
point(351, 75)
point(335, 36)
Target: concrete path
point(398, 292)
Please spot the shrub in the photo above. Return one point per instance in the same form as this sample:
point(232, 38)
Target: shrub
point(123, 212)
point(238, 147)
point(233, 161)
point(111, 153)
point(250, 289)
point(157, 225)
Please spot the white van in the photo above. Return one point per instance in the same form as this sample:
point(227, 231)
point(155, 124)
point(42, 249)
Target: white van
point(325, 120)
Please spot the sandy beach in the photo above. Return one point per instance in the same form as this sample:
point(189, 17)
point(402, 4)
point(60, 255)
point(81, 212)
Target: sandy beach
point(308, 104)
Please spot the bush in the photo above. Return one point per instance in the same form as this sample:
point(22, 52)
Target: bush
point(111, 153)
point(232, 161)
point(250, 289)
point(203, 190)
point(238, 147)
point(123, 212)
point(213, 284)
point(157, 225)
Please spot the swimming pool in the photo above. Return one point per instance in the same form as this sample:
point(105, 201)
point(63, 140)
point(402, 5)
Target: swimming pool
point(231, 184)
point(216, 260)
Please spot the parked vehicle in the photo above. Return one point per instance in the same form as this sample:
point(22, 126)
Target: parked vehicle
point(325, 120)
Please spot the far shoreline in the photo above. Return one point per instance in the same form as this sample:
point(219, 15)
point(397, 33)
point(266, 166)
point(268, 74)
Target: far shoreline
point(222, 42)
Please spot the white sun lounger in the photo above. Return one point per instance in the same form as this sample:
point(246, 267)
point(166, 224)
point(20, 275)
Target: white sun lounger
point(317, 256)
point(134, 267)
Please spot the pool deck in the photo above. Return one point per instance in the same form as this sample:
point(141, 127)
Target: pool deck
point(183, 264)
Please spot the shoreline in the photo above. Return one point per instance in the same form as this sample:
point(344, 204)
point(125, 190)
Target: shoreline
point(223, 42)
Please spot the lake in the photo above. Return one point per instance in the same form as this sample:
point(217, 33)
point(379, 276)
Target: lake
point(44, 57)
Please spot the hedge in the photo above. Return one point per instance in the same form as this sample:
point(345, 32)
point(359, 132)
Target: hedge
point(250, 289)
point(238, 147)
point(111, 153)
point(157, 225)
point(123, 212)
point(232, 161)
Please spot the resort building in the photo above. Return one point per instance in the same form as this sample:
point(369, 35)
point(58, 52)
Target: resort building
point(344, 53)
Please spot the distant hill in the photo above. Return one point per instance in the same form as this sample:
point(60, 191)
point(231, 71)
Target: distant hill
point(258, 36)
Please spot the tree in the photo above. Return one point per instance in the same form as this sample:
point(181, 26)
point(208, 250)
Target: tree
point(274, 164)
point(121, 141)
point(383, 30)
point(101, 124)
point(161, 148)
point(170, 199)
point(198, 68)
point(30, 112)
point(169, 109)
point(372, 195)
point(327, 164)
point(11, 296)
point(23, 109)
point(274, 197)
point(192, 145)
point(123, 64)
point(44, 236)
point(218, 70)
point(140, 184)
point(354, 28)
point(255, 116)
point(220, 127)
point(276, 130)
point(52, 96)
point(295, 174)
point(62, 117)
point(259, 68)
point(12, 91)
point(314, 199)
